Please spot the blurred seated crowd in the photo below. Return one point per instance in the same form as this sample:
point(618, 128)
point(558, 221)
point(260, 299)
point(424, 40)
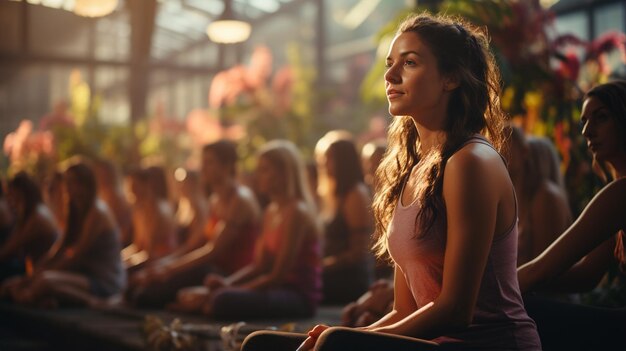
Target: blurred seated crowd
point(291, 237)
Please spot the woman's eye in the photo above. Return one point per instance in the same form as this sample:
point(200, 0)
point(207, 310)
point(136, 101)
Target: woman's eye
point(388, 64)
point(409, 62)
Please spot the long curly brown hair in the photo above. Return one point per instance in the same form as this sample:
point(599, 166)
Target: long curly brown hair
point(462, 52)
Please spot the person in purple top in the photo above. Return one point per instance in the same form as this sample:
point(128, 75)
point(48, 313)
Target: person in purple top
point(445, 208)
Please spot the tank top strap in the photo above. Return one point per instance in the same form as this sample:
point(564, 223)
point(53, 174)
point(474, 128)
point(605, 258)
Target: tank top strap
point(479, 139)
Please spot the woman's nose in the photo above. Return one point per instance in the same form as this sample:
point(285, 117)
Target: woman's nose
point(586, 131)
point(391, 75)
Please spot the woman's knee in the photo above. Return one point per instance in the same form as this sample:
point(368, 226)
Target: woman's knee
point(334, 338)
point(264, 340)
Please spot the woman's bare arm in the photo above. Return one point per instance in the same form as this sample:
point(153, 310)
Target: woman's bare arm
point(601, 219)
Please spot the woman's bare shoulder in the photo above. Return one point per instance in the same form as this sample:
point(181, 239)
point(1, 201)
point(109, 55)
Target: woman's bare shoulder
point(611, 198)
point(245, 197)
point(43, 219)
point(101, 217)
point(477, 160)
point(358, 194)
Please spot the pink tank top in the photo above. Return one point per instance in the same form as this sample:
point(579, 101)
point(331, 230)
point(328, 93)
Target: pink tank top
point(500, 321)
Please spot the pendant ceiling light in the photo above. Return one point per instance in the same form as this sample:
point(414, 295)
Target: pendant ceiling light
point(228, 30)
point(94, 8)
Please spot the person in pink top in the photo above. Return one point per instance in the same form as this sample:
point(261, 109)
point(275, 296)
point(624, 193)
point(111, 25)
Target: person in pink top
point(445, 209)
point(284, 279)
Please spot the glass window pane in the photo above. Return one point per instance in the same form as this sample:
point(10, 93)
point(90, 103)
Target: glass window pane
point(575, 23)
point(608, 18)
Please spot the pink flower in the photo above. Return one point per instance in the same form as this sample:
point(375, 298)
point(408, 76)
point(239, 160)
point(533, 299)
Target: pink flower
point(202, 127)
point(281, 88)
point(15, 142)
point(227, 86)
point(58, 117)
point(260, 67)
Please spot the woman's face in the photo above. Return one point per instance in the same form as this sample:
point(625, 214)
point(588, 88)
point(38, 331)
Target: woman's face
point(212, 169)
point(137, 188)
point(75, 190)
point(414, 85)
point(328, 163)
point(600, 130)
point(15, 200)
point(267, 177)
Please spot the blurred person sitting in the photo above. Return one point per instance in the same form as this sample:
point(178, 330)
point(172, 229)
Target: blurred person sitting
point(544, 211)
point(12, 266)
point(154, 227)
point(6, 216)
point(35, 230)
point(371, 155)
point(110, 191)
point(228, 234)
point(347, 264)
point(191, 213)
point(53, 197)
point(86, 268)
point(284, 278)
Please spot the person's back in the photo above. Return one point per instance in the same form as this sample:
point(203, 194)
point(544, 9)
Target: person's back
point(548, 213)
point(347, 264)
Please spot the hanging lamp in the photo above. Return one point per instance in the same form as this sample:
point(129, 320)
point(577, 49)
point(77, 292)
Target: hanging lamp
point(94, 8)
point(227, 29)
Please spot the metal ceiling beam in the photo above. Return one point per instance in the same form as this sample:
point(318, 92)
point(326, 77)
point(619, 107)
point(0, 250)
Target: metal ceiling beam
point(284, 8)
point(28, 59)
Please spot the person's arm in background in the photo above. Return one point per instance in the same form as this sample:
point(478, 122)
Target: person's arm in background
point(98, 222)
point(600, 220)
point(241, 215)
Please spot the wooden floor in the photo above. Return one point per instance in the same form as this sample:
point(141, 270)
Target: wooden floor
point(26, 329)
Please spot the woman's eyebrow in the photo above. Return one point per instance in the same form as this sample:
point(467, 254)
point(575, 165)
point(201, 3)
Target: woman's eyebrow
point(405, 53)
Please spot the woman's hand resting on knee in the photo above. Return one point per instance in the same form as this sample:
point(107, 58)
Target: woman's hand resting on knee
point(314, 333)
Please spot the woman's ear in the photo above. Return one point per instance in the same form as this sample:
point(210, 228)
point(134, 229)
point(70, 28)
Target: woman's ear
point(451, 83)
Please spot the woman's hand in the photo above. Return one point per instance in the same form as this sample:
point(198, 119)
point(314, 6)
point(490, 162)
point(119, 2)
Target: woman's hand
point(214, 281)
point(314, 333)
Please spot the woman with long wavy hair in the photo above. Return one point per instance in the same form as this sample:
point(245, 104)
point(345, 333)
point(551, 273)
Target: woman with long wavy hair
point(445, 208)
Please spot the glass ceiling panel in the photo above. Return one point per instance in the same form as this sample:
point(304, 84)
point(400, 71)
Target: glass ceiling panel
point(182, 23)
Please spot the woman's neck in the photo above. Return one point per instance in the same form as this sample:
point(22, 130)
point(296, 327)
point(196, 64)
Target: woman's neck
point(430, 140)
point(280, 199)
point(619, 168)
